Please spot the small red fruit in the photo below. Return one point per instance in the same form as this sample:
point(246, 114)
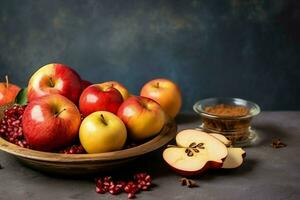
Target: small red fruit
point(8, 92)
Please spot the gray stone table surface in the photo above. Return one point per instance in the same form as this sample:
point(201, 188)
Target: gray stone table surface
point(266, 174)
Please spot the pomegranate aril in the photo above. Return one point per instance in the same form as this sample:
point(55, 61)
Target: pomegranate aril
point(107, 178)
point(111, 187)
point(127, 189)
point(100, 190)
point(99, 181)
point(111, 191)
point(140, 182)
point(130, 183)
point(115, 191)
point(145, 188)
point(11, 126)
point(147, 178)
point(131, 195)
point(121, 184)
point(74, 149)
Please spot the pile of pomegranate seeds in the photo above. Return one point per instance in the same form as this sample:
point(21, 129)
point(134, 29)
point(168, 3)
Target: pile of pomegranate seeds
point(140, 182)
point(74, 149)
point(11, 126)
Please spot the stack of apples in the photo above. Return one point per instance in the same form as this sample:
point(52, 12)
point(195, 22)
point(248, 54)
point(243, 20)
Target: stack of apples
point(62, 108)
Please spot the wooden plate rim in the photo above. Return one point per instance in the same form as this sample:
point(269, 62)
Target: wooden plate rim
point(166, 134)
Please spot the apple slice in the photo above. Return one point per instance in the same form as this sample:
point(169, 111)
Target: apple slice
point(222, 139)
point(197, 152)
point(214, 146)
point(178, 159)
point(234, 158)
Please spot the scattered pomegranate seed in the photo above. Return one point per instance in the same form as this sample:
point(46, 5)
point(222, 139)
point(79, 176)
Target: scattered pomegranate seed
point(74, 149)
point(131, 196)
point(140, 182)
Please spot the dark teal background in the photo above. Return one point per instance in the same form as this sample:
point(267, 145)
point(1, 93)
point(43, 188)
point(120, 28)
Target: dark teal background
point(239, 48)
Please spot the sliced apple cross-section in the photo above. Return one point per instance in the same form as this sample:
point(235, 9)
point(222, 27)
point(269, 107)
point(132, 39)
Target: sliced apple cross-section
point(222, 139)
point(234, 159)
point(235, 156)
point(196, 152)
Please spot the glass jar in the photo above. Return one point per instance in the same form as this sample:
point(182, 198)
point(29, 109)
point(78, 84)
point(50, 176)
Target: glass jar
point(235, 128)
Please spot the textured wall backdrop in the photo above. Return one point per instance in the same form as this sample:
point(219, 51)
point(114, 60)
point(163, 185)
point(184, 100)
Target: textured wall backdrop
point(240, 48)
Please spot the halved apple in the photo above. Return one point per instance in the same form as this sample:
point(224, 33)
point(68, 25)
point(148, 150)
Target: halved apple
point(234, 158)
point(222, 138)
point(197, 152)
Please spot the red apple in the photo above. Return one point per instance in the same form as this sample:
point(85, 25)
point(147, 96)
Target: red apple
point(50, 122)
point(142, 116)
point(121, 88)
point(55, 79)
point(98, 98)
point(84, 84)
point(164, 92)
point(8, 92)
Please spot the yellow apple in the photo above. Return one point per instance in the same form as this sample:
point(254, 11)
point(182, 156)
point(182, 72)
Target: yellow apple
point(102, 131)
point(166, 93)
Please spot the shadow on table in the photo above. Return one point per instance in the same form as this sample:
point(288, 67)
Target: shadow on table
point(266, 133)
point(246, 168)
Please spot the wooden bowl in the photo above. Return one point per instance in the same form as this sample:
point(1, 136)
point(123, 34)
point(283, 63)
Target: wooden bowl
point(78, 164)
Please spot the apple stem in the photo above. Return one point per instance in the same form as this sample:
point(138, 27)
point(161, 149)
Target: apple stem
point(51, 82)
point(157, 84)
point(58, 113)
point(6, 78)
point(103, 120)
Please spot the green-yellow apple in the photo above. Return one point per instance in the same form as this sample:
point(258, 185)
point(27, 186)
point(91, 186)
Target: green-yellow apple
point(8, 92)
point(50, 122)
point(121, 88)
point(97, 97)
point(164, 92)
point(102, 131)
point(142, 116)
point(55, 79)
